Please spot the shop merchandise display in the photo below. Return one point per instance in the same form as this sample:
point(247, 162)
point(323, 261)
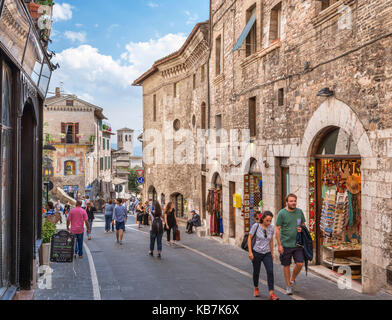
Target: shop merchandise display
point(214, 207)
point(340, 215)
point(253, 200)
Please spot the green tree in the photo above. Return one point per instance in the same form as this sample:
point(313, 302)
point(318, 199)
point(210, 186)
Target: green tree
point(133, 184)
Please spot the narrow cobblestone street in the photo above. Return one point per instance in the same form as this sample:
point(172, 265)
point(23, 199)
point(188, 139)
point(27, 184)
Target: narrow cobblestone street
point(198, 269)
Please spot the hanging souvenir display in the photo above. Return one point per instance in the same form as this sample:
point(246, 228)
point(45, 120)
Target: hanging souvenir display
point(340, 211)
point(246, 204)
point(215, 209)
point(312, 201)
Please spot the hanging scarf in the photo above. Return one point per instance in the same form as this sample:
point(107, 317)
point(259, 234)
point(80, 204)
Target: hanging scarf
point(350, 210)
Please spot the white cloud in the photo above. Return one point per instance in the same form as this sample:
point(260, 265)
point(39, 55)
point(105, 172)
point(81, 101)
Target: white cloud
point(192, 18)
point(106, 82)
point(153, 5)
point(141, 55)
point(62, 12)
point(75, 36)
point(79, 25)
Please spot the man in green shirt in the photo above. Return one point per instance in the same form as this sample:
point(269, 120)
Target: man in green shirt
point(288, 224)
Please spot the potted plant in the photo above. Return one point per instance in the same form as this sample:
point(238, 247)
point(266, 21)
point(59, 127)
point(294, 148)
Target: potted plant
point(48, 230)
point(34, 10)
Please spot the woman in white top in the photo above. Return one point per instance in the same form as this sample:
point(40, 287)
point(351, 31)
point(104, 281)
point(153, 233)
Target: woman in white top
point(263, 251)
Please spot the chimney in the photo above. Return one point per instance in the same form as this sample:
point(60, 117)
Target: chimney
point(58, 95)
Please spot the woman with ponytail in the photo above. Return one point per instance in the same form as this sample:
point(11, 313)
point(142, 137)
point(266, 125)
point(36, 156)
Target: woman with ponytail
point(263, 251)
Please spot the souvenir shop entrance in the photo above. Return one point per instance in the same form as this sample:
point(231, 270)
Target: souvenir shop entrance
point(215, 206)
point(253, 196)
point(335, 203)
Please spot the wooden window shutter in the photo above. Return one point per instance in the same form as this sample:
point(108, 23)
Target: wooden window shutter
point(77, 132)
point(63, 131)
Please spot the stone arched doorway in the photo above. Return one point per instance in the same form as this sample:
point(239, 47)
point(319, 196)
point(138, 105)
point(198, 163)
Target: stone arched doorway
point(336, 148)
point(179, 204)
point(215, 206)
point(152, 194)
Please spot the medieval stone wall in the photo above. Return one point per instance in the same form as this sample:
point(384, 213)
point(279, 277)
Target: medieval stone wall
point(165, 175)
point(346, 47)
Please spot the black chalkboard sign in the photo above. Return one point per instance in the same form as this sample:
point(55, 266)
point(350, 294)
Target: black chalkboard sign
point(62, 247)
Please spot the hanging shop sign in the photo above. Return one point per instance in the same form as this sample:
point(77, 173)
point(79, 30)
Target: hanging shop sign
point(62, 247)
point(245, 208)
point(237, 201)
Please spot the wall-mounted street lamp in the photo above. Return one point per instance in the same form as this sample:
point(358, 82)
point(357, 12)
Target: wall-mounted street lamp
point(325, 92)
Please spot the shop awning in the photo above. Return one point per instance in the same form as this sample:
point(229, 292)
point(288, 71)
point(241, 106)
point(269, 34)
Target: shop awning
point(245, 33)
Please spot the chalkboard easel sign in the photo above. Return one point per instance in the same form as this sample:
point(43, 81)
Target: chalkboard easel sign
point(62, 247)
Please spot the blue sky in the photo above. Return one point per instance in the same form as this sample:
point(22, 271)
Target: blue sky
point(102, 46)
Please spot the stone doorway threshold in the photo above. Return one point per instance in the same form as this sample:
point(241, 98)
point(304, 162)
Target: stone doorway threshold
point(328, 274)
point(24, 295)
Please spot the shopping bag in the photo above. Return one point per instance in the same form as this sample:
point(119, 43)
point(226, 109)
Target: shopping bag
point(178, 235)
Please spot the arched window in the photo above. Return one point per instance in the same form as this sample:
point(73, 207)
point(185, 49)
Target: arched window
point(126, 138)
point(69, 168)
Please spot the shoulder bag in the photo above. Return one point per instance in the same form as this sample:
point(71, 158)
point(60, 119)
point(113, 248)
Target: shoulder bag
point(244, 244)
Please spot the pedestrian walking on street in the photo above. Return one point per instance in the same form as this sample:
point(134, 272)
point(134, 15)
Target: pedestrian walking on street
point(171, 224)
point(59, 208)
point(139, 214)
point(194, 222)
point(67, 209)
point(288, 225)
point(146, 214)
point(263, 251)
point(91, 217)
point(76, 218)
point(120, 219)
point(109, 208)
point(84, 204)
point(156, 230)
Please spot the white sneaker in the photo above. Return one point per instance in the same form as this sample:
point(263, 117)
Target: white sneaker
point(292, 284)
point(289, 291)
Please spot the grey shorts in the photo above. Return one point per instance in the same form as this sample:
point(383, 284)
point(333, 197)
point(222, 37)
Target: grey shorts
point(289, 253)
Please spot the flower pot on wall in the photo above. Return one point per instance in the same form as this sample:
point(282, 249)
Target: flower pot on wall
point(34, 10)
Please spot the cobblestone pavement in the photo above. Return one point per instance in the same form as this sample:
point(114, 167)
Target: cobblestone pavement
point(202, 268)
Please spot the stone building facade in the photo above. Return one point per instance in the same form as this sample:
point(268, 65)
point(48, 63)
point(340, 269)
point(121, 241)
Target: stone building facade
point(293, 50)
point(82, 165)
point(293, 73)
point(174, 97)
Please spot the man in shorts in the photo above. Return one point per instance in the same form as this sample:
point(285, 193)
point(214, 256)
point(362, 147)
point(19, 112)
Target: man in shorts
point(288, 224)
point(120, 218)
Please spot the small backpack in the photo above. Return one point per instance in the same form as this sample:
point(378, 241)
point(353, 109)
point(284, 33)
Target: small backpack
point(157, 225)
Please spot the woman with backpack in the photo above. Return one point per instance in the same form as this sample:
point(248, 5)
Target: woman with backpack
point(156, 231)
point(170, 222)
point(262, 251)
